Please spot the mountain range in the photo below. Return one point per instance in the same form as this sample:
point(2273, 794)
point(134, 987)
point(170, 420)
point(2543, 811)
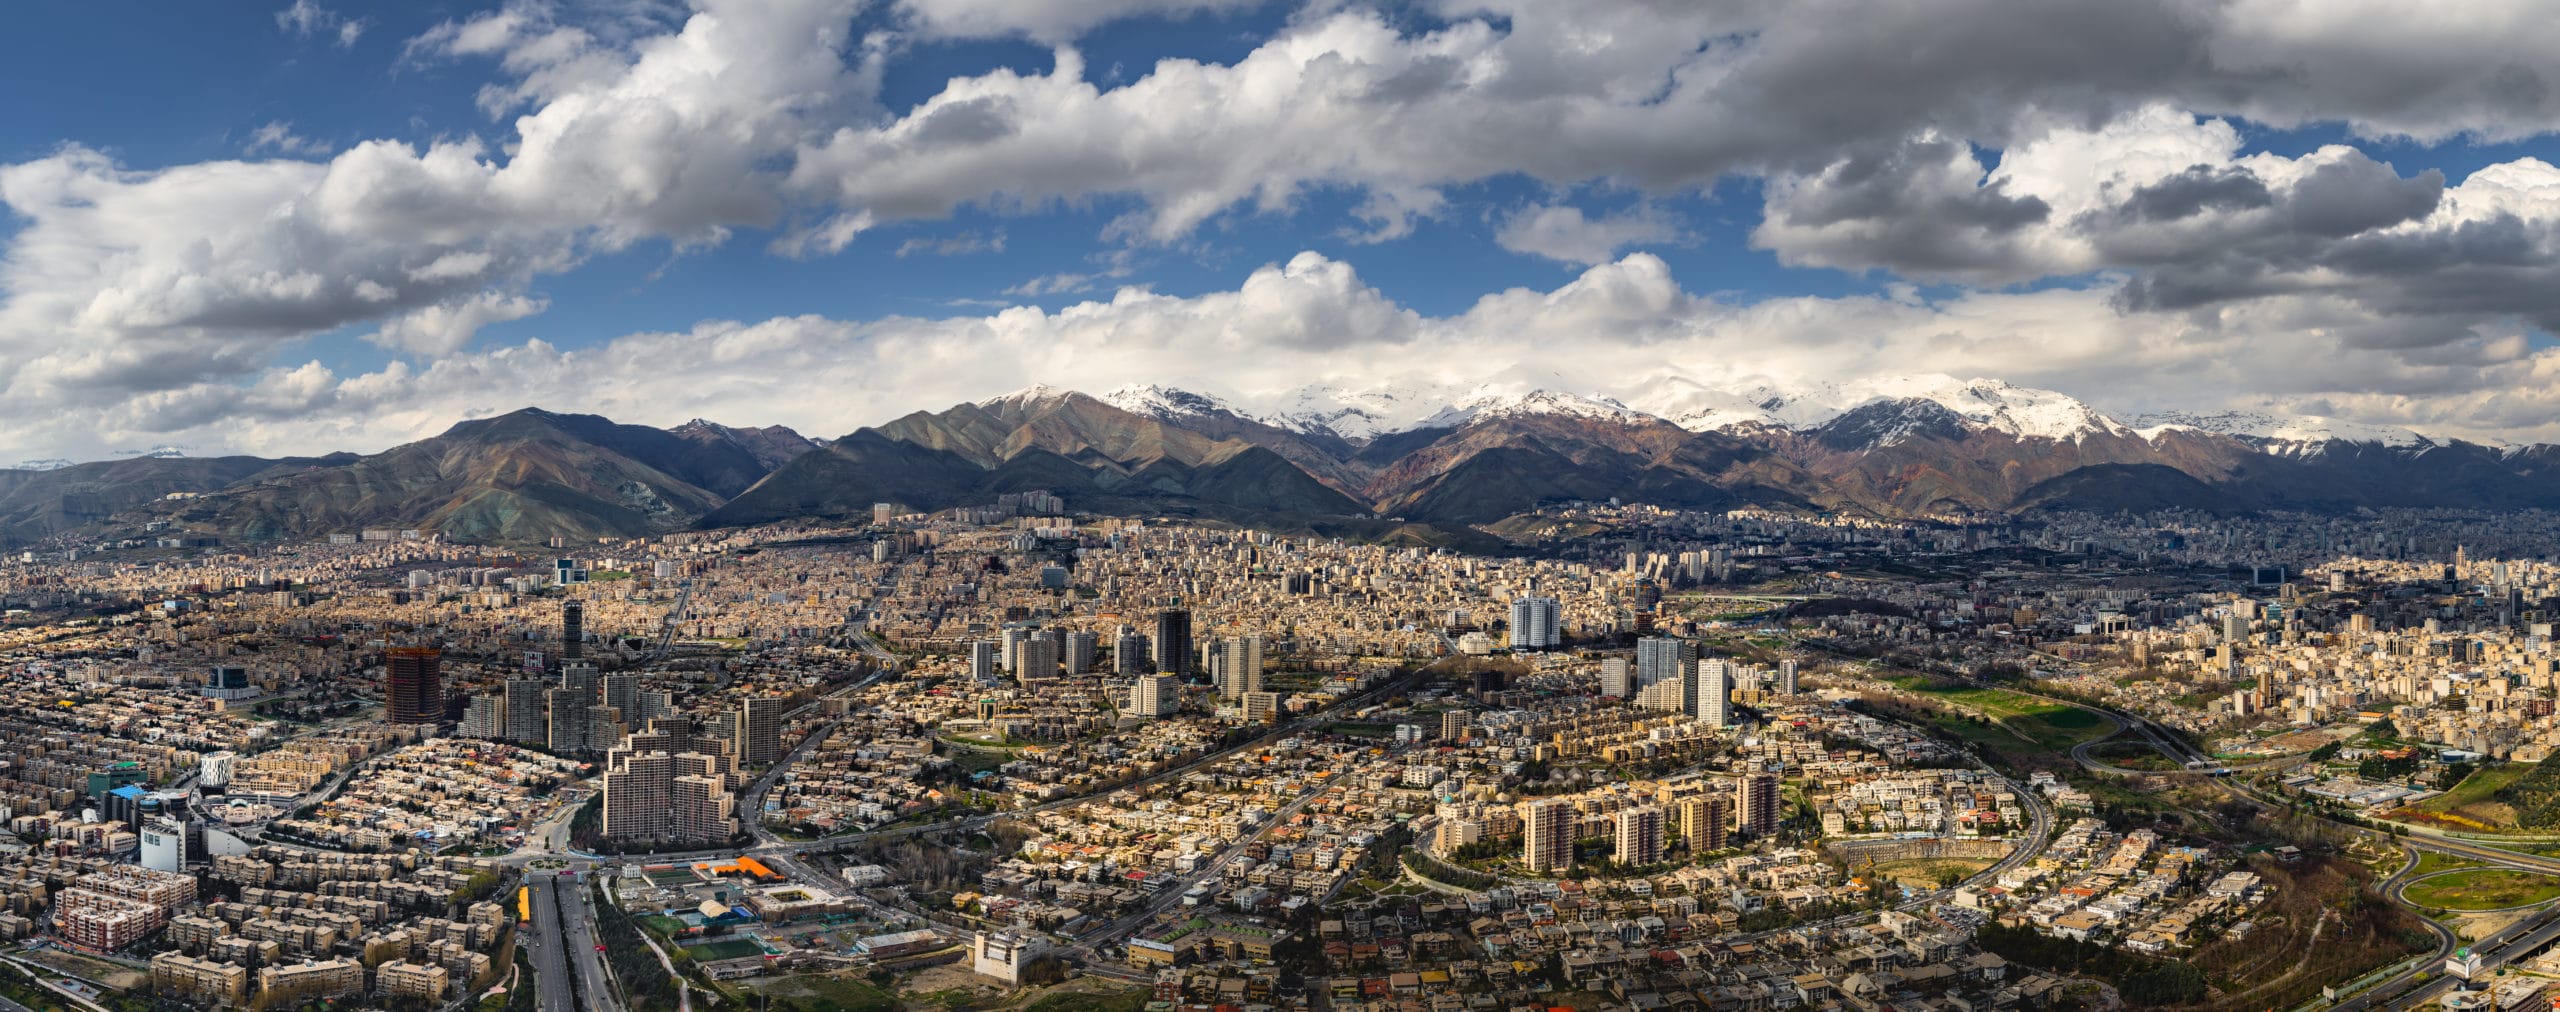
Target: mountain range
point(1420, 466)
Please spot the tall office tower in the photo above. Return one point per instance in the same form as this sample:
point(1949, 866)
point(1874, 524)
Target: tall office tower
point(1155, 695)
point(1617, 678)
point(1261, 707)
point(1787, 677)
point(2234, 627)
point(1129, 653)
point(1755, 803)
point(524, 724)
point(1453, 724)
point(622, 692)
point(1240, 666)
point(567, 729)
point(1301, 584)
point(1662, 657)
point(1536, 622)
point(1546, 834)
point(413, 685)
point(1035, 658)
point(1702, 822)
point(1081, 646)
point(486, 717)
point(573, 629)
point(1173, 642)
point(982, 661)
point(760, 730)
point(1013, 639)
point(1640, 836)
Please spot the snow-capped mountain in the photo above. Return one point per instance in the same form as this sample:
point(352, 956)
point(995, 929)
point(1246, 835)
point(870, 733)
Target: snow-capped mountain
point(1166, 403)
point(2289, 436)
point(1486, 404)
point(1987, 404)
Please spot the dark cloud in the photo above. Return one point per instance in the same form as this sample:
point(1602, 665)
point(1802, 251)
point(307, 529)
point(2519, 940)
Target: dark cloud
point(2199, 189)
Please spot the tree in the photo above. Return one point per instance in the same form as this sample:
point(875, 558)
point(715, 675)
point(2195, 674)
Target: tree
point(2384, 730)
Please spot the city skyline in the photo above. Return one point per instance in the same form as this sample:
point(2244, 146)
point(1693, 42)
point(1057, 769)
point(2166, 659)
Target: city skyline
point(824, 215)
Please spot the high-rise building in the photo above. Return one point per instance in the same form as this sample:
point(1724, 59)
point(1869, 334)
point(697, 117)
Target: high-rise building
point(635, 796)
point(524, 724)
point(573, 628)
point(1536, 622)
point(652, 796)
point(622, 692)
point(1173, 642)
point(1711, 693)
point(1035, 658)
point(983, 661)
point(1240, 666)
point(1546, 834)
point(1129, 653)
point(1755, 803)
point(1617, 678)
point(1787, 677)
point(605, 725)
point(1082, 644)
point(760, 730)
point(413, 685)
point(566, 731)
point(1453, 724)
point(1660, 658)
point(1155, 695)
point(1639, 836)
point(485, 718)
point(1702, 822)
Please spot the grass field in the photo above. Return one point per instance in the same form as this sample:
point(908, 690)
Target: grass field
point(2015, 715)
point(2430, 862)
point(2483, 889)
point(727, 948)
point(2471, 806)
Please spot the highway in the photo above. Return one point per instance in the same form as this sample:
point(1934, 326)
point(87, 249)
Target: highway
point(577, 922)
point(544, 942)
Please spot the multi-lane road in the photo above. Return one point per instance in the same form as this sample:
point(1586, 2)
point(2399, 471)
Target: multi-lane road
point(544, 942)
point(568, 962)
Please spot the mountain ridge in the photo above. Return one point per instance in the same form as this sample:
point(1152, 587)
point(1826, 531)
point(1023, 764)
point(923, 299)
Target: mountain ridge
point(1905, 447)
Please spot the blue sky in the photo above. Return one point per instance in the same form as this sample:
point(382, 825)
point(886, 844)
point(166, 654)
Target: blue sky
point(201, 247)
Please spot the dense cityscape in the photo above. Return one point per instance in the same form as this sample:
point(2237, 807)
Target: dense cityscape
point(1252, 505)
point(1680, 759)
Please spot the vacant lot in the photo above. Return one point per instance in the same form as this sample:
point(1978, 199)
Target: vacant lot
point(2483, 889)
point(1931, 872)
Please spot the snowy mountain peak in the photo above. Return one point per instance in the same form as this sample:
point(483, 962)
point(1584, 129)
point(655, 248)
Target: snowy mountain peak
point(1165, 403)
point(2021, 412)
point(1485, 404)
point(2287, 435)
point(1034, 394)
point(1996, 405)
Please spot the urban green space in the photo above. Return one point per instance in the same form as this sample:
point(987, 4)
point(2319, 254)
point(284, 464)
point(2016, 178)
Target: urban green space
point(2483, 889)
